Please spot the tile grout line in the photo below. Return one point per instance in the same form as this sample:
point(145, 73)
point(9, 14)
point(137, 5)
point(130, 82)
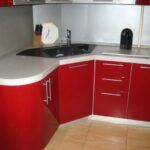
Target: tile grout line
point(87, 135)
point(127, 137)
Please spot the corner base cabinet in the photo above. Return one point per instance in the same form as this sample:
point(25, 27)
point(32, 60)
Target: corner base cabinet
point(27, 122)
point(75, 90)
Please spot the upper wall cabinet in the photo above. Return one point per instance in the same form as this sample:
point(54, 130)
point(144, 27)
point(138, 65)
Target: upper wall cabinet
point(28, 2)
point(93, 1)
point(6, 2)
point(143, 2)
point(58, 1)
point(106, 1)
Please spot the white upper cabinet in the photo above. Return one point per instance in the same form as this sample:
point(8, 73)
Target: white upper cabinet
point(93, 1)
point(124, 1)
point(28, 2)
point(58, 1)
point(105, 1)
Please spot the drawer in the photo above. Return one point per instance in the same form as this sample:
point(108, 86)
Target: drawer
point(110, 104)
point(111, 69)
point(111, 84)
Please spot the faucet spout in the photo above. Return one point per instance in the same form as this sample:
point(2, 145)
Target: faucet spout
point(68, 37)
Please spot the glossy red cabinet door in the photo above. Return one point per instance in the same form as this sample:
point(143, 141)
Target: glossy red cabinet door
point(22, 117)
point(75, 90)
point(143, 2)
point(50, 93)
point(111, 88)
point(6, 2)
point(139, 102)
point(26, 123)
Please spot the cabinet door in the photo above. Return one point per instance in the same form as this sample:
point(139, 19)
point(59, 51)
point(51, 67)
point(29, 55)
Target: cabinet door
point(6, 2)
point(143, 2)
point(139, 101)
point(50, 92)
point(111, 88)
point(22, 118)
point(75, 90)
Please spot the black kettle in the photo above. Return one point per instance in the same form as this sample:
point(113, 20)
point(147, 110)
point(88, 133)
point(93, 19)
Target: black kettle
point(126, 39)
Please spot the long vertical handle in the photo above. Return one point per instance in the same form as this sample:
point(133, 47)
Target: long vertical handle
point(50, 89)
point(46, 91)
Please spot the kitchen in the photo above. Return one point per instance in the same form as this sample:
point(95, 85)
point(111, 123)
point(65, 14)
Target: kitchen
point(106, 87)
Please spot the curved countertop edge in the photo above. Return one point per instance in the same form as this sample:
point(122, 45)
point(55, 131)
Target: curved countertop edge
point(28, 80)
point(68, 60)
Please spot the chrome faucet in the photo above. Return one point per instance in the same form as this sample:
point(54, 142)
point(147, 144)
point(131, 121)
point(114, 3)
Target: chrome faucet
point(68, 37)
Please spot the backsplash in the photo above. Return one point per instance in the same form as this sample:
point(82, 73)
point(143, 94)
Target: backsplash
point(48, 13)
point(100, 23)
point(95, 23)
point(146, 26)
point(16, 27)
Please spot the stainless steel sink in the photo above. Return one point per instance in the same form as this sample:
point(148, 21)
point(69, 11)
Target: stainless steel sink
point(58, 51)
point(126, 55)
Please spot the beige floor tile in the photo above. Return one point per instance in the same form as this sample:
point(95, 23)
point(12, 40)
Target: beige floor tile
point(78, 131)
point(96, 135)
point(129, 147)
point(77, 134)
point(138, 136)
point(71, 144)
point(104, 145)
point(57, 139)
point(107, 131)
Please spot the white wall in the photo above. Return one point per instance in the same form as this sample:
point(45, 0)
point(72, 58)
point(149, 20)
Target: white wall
point(100, 23)
point(146, 29)
point(47, 13)
point(15, 28)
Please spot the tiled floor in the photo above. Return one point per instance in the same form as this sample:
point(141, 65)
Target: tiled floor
point(95, 135)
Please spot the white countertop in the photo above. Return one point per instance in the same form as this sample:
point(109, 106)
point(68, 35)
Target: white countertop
point(18, 70)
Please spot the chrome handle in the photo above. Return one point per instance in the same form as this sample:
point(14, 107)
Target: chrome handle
point(78, 66)
point(113, 80)
point(144, 67)
point(46, 91)
point(50, 90)
point(111, 94)
point(109, 64)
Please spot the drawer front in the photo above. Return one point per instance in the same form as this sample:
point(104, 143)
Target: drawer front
point(112, 104)
point(111, 84)
point(114, 70)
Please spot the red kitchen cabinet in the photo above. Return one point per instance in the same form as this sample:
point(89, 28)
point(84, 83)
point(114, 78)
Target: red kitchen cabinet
point(6, 2)
point(22, 117)
point(111, 88)
point(27, 122)
point(50, 93)
point(143, 2)
point(75, 90)
point(139, 101)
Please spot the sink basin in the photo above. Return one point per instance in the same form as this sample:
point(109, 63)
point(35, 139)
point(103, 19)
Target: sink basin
point(125, 55)
point(54, 52)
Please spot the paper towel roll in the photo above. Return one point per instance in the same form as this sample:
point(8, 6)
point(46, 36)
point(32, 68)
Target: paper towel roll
point(49, 33)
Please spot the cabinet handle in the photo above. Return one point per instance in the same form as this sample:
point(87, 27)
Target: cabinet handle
point(111, 94)
point(144, 67)
point(117, 65)
point(113, 80)
point(50, 90)
point(46, 91)
point(78, 66)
